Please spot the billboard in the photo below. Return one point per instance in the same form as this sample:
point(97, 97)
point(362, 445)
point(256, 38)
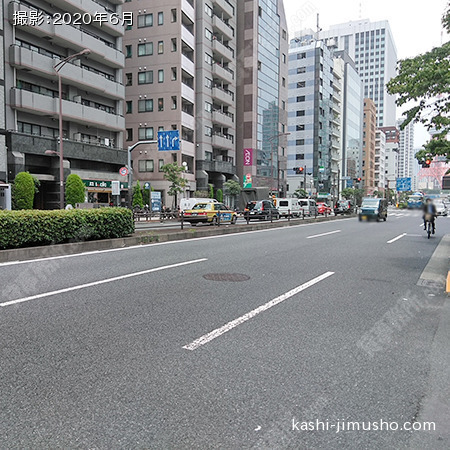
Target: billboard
point(248, 157)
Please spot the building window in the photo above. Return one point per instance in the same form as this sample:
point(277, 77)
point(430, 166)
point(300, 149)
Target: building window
point(301, 55)
point(300, 113)
point(129, 134)
point(283, 82)
point(301, 69)
point(283, 105)
point(283, 58)
point(145, 49)
point(161, 18)
point(174, 73)
point(300, 142)
point(174, 102)
point(208, 34)
point(128, 51)
point(129, 105)
point(300, 127)
point(299, 156)
point(259, 65)
point(208, 10)
point(208, 83)
point(284, 34)
point(174, 44)
point(161, 76)
point(145, 20)
point(145, 77)
point(174, 14)
point(128, 79)
point(28, 128)
point(301, 98)
point(160, 47)
point(146, 133)
point(208, 107)
point(145, 105)
point(160, 165)
point(146, 165)
point(208, 59)
point(301, 84)
point(208, 131)
point(160, 104)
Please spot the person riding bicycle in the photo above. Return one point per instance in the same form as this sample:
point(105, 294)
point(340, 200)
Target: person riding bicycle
point(429, 214)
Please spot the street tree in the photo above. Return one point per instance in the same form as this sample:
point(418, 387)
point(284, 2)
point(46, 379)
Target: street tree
point(173, 174)
point(301, 193)
point(138, 202)
point(424, 83)
point(233, 189)
point(75, 190)
point(23, 191)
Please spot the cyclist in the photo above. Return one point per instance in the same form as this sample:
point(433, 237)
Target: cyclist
point(429, 214)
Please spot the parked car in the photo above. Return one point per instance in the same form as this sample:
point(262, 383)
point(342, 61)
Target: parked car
point(308, 206)
point(261, 210)
point(323, 208)
point(209, 212)
point(441, 208)
point(344, 207)
point(373, 208)
point(288, 206)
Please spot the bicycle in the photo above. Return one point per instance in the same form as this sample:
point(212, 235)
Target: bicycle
point(428, 224)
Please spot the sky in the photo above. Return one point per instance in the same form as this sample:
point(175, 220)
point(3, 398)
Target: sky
point(416, 29)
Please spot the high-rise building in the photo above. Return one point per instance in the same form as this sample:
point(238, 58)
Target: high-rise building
point(262, 77)
point(311, 112)
point(391, 155)
point(406, 153)
point(216, 78)
point(92, 94)
point(369, 133)
point(160, 88)
point(371, 45)
point(380, 160)
point(3, 154)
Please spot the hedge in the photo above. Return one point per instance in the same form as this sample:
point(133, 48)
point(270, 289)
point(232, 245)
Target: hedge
point(31, 228)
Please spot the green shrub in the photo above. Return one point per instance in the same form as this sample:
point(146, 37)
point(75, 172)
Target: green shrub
point(75, 190)
point(23, 191)
point(137, 196)
point(30, 228)
point(211, 190)
point(219, 195)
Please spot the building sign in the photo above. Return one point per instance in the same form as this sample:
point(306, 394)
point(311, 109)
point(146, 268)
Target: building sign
point(248, 157)
point(248, 180)
point(156, 201)
point(101, 184)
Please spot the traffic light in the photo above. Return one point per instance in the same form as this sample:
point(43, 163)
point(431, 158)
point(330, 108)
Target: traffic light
point(301, 169)
point(426, 163)
point(298, 170)
point(358, 179)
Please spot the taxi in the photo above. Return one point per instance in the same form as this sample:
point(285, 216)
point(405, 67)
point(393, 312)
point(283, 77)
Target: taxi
point(209, 213)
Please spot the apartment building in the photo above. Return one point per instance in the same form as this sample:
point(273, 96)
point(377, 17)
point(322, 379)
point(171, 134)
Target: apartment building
point(369, 133)
point(92, 93)
point(262, 83)
point(216, 96)
point(160, 69)
point(391, 155)
point(406, 159)
point(380, 161)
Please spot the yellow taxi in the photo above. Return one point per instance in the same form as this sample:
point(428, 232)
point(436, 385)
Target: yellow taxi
point(209, 213)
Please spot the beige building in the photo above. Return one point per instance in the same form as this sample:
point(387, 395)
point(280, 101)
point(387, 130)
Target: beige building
point(160, 88)
point(369, 139)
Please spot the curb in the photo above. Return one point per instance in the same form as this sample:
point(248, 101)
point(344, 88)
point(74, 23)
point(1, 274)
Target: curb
point(142, 238)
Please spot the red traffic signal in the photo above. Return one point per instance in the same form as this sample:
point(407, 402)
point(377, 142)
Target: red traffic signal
point(426, 163)
point(301, 169)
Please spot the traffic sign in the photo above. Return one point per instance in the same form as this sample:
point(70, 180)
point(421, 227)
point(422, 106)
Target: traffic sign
point(346, 178)
point(147, 185)
point(169, 140)
point(403, 184)
point(123, 171)
point(350, 183)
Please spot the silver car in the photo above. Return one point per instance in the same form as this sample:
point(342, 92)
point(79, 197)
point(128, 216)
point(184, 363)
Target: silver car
point(441, 209)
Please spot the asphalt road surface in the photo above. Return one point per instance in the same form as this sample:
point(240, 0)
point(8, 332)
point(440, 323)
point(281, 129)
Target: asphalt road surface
point(231, 342)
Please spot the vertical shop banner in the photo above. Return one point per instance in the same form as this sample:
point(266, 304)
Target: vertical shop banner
point(248, 157)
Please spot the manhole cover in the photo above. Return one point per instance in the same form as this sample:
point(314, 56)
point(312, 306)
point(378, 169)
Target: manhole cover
point(234, 277)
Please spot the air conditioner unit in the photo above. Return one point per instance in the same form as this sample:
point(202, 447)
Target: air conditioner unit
point(77, 98)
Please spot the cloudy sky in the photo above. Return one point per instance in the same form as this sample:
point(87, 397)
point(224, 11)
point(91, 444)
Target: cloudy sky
point(416, 26)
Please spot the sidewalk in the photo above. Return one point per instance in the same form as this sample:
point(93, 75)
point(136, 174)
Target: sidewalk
point(145, 237)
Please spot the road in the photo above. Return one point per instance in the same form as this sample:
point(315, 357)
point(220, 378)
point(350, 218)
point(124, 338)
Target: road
point(224, 342)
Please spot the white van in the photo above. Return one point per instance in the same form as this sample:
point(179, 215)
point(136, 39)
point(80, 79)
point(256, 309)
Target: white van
point(188, 203)
point(308, 206)
point(289, 206)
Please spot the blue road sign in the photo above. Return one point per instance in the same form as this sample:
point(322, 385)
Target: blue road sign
point(169, 140)
point(403, 184)
point(350, 183)
point(156, 201)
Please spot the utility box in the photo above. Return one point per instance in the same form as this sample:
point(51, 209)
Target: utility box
point(5, 196)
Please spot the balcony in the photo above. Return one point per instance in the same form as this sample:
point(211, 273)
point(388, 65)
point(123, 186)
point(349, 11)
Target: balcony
point(227, 9)
point(216, 166)
point(188, 8)
point(36, 63)
point(187, 37)
point(223, 96)
point(222, 72)
point(68, 36)
point(220, 26)
point(227, 53)
point(224, 119)
point(35, 103)
point(187, 93)
point(223, 141)
point(187, 65)
point(187, 120)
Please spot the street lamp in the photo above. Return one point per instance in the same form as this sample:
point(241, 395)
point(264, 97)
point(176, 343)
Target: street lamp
point(271, 139)
point(57, 67)
point(130, 169)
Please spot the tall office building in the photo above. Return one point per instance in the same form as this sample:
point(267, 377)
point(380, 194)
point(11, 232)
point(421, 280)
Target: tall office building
point(216, 78)
point(311, 112)
point(160, 88)
point(262, 72)
point(92, 94)
point(371, 45)
point(406, 159)
point(369, 134)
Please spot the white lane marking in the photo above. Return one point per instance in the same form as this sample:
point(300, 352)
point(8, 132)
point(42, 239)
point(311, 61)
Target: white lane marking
point(96, 283)
point(234, 323)
point(323, 234)
point(157, 244)
point(396, 238)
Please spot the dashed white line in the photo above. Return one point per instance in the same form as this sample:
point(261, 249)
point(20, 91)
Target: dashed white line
point(323, 234)
point(396, 238)
point(234, 323)
point(96, 283)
